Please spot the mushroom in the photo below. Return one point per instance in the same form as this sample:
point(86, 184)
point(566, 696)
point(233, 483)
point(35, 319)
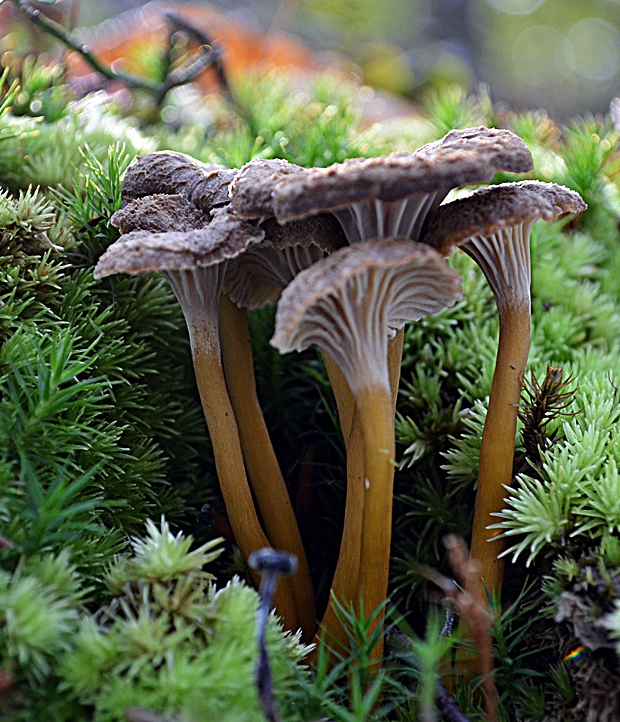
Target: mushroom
point(205, 187)
point(493, 227)
point(255, 279)
point(383, 196)
point(194, 262)
point(348, 303)
point(371, 197)
point(374, 197)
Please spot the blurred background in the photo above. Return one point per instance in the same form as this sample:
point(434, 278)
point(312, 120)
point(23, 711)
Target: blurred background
point(563, 55)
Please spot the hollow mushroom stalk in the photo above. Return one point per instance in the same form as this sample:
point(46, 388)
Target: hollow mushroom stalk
point(194, 262)
point(253, 280)
point(493, 227)
point(348, 304)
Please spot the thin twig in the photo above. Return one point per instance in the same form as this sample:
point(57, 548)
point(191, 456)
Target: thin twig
point(207, 56)
point(56, 30)
point(180, 24)
point(187, 72)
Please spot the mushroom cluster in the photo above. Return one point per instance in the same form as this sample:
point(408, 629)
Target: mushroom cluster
point(350, 254)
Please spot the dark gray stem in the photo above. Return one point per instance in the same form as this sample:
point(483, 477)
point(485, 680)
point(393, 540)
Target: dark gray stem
point(264, 678)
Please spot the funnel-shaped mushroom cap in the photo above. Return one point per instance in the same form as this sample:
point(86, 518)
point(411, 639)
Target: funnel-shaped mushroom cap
point(252, 190)
point(166, 172)
point(138, 252)
point(347, 303)
point(158, 214)
point(488, 210)
point(460, 158)
point(256, 278)
point(493, 227)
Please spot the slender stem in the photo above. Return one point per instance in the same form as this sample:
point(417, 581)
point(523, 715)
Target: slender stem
point(264, 677)
point(377, 422)
point(498, 438)
point(345, 401)
point(263, 469)
point(345, 585)
point(228, 457)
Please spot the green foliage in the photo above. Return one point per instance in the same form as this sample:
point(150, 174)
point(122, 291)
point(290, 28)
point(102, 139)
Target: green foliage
point(33, 238)
point(100, 426)
point(49, 153)
point(171, 642)
point(575, 493)
point(316, 127)
point(38, 614)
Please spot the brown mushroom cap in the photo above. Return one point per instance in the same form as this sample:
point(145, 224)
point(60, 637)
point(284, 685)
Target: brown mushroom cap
point(461, 157)
point(167, 172)
point(256, 278)
point(252, 190)
point(159, 213)
point(139, 251)
point(348, 302)
point(322, 230)
point(488, 210)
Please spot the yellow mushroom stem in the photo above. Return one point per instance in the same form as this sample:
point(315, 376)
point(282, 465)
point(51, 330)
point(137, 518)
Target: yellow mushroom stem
point(345, 401)
point(262, 465)
point(497, 449)
point(376, 414)
point(345, 584)
point(220, 418)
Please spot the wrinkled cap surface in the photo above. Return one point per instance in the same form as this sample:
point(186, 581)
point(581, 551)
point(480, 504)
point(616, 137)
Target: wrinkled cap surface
point(462, 157)
point(322, 230)
point(167, 172)
point(139, 251)
point(251, 192)
point(490, 209)
point(159, 213)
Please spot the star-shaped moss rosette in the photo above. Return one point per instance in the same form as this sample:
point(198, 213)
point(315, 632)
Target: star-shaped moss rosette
point(348, 304)
point(194, 261)
point(493, 227)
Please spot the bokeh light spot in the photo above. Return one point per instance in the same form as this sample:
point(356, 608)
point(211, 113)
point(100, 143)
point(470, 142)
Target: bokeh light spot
point(542, 56)
point(596, 45)
point(516, 7)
